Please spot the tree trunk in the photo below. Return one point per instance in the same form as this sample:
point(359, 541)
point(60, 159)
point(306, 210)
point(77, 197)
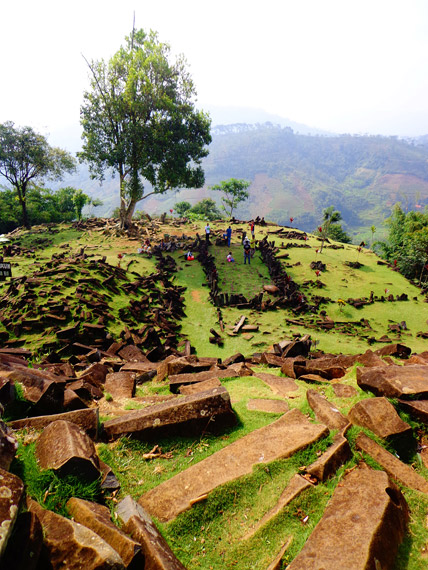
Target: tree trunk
point(130, 212)
point(122, 214)
point(23, 202)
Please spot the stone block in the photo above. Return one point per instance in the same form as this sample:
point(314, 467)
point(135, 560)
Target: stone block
point(406, 382)
point(325, 412)
point(86, 420)
point(11, 494)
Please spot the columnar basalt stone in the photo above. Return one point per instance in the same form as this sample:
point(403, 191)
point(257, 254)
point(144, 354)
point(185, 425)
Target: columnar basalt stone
point(280, 439)
point(344, 391)
point(210, 410)
point(392, 465)
point(325, 412)
point(178, 380)
point(406, 382)
point(66, 448)
point(278, 384)
point(199, 386)
point(74, 546)
point(265, 405)
point(379, 416)
point(8, 446)
point(97, 518)
point(86, 419)
point(398, 350)
point(138, 523)
point(335, 456)
point(418, 409)
point(24, 546)
point(11, 493)
point(120, 384)
point(46, 395)
point(361, 528)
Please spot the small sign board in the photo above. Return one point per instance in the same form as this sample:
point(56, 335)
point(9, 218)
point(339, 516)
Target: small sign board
point(5, 271)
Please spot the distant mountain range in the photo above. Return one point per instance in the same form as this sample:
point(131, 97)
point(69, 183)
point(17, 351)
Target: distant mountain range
point(297, 174)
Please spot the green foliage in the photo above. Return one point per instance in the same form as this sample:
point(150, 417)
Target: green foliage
point(48, 488)
point(235, 192)
point(407, 243)
point(139, 119)
point(182, 207)
point(79, 201)
point(26, 156)
point(206, 209)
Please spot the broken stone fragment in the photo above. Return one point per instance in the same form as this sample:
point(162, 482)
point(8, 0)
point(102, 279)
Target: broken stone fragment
point(335, 456)
point(278, 384)
point(97, 518)
point(280, 439)
point(209, 410)
point(11, 493)
point(325, 412)
point(46, 394)
point(73, 546)
point(406, 382)
point(379, 416)
point(8, 446)
point(24, 547)
point(86, 419)
point(66, 448)
point(120, 384)
point(362, 526)
point(137, 522)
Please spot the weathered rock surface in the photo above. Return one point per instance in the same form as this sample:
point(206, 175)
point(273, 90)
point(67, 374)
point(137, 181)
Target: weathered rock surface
point(86, 419)
point(66, 448)
point(11, 493)
point(120, 384)
point(328, 463)
point(395, 381)
point(362, 526)
point(418, 409)
point(279, 385)
point(379, 416)
point(97, 518)
point(137, 523)
point(47, 395)
point(325, 412)
point(282, 438)
point(25, 544)
point(392, 465)
point(178, 380)
point(187, 414)
point(199, 386)
point(73, 546)
point(265, 405)
point(344, 391)
point(8, 446)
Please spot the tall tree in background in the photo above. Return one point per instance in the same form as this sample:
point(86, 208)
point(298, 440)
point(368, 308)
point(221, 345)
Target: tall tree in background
point(26, 157)
point(330, 216)
point(235, 192)
point(139, 120)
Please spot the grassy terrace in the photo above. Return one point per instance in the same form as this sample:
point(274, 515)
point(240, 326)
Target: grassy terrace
point(210, 535)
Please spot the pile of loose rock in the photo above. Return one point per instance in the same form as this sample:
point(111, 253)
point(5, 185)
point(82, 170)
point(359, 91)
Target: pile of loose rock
point(59, 398)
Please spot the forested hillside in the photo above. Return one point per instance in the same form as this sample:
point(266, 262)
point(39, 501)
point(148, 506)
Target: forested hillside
point(294, 175)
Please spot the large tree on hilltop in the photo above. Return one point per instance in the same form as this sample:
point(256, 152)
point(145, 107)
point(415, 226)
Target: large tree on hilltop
point(235, 192)
point(139, 120)
point(26, 157)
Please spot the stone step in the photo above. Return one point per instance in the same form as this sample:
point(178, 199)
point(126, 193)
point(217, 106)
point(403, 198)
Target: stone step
point(287, 435)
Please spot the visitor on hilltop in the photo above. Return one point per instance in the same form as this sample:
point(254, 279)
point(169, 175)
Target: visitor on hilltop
point(253, 245)
point(207, 232)
point(252, 227)
point(229, 235)
point(247, 251)
point(229, 257)
point(189, 256)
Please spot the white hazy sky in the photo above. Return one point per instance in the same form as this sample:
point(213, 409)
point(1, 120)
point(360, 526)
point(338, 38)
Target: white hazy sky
point(348, 66)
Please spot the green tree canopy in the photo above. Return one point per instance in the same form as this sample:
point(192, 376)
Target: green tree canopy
point(235, 192)
point(139, 120)
point(206, 209)
point(182, 207)
point(26, 157)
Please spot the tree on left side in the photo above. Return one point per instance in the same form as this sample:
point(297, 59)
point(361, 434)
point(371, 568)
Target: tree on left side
point(27, 157)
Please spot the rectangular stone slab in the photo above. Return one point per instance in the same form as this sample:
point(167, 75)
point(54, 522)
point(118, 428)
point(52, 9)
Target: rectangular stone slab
point(176, 413)
point(178, 380)
point(392, 465)
point(86, 419)
point(363, 522)
point(395, 381)
point(292, 432)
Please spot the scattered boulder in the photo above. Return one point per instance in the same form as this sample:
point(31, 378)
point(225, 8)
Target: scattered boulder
point(210, 410)
point(406, 382)
point(363, 524)
point(66, 448)
point(11, 494)
point(325, 412)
